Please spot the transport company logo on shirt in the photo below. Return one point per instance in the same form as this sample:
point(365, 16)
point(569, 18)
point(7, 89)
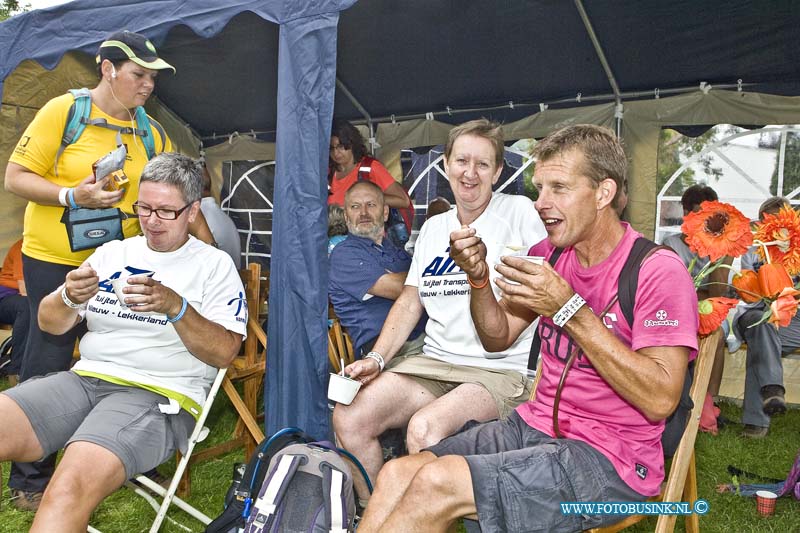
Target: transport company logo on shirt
point(442, 266)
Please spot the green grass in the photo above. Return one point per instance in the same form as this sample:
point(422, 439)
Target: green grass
point(124, 512)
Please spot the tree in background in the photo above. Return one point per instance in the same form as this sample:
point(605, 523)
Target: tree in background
point(674, 149)
point(11, 7)
point(791, 167)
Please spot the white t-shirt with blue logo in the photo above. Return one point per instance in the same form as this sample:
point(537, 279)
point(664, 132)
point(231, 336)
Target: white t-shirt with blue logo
point(443, 289)
point(144, 347)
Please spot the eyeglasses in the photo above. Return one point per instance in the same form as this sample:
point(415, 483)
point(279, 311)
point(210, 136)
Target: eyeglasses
point(143, 211)
point(338, 148)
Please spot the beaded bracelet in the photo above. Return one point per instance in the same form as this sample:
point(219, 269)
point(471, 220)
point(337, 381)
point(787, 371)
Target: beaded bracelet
point(182, 312)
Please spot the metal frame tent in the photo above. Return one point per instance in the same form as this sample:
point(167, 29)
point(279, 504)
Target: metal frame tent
point(410, 69)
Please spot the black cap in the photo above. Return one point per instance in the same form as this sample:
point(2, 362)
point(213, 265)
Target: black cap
point(134, 47)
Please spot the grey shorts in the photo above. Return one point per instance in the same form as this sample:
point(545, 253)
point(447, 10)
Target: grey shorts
point(508, 388)
point(64, 407)
point(520, 475)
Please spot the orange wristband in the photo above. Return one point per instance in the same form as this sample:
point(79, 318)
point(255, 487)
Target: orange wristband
point(481, 285)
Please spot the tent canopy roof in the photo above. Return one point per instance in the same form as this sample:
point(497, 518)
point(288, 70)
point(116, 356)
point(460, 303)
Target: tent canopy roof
point(425, 56)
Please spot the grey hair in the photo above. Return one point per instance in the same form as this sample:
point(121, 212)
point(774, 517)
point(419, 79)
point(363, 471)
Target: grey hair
point(178, 170)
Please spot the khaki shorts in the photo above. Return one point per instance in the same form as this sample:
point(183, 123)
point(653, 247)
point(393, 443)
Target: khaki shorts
point(508, 388)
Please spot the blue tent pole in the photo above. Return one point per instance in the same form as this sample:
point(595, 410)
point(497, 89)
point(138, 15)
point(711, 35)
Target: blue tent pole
point(297, 364)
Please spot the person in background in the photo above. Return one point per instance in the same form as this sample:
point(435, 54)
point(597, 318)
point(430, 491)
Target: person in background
point(14, 308)
point(453, 378)
point(52, 178)
point(714, 285)
point(148, 357)
point(337, 226)
point(349, 162)
point(226, 236)
point(437, 206)
point(764, 392)
point(603, 443)
point(367, 271)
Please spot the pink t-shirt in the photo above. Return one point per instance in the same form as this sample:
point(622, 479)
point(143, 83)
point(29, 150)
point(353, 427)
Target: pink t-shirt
point(665, 314)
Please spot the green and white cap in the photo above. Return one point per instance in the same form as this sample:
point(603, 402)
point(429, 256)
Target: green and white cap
point(134, 47)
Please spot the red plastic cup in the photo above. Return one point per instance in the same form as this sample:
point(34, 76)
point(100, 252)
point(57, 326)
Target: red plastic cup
point(765, 502)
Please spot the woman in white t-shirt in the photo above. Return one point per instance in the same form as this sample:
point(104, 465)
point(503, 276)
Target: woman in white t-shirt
point(454, 379)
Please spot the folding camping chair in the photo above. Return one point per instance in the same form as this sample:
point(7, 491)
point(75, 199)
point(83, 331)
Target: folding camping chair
point(340, 347)
point(681, 482)
point(248, 368)
point(168, 495)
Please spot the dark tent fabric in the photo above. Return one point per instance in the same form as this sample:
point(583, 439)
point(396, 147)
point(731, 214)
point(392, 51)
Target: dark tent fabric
point(419, 56)
point(306, 52)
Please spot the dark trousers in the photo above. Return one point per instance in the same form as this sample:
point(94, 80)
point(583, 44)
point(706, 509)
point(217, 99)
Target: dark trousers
point(14, 310)
point(45, 353)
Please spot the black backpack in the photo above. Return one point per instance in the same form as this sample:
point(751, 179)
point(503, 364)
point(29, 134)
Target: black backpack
point(626, 288)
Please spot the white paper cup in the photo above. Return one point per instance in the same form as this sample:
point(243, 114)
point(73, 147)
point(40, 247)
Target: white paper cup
point(118, 285)
point(523, 255)
point(342, 389)
point(537, 259)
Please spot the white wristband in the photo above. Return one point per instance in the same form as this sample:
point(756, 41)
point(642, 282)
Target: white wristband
point(378, 358)
point(568, 310)
point(62, 196)
point(69, 303)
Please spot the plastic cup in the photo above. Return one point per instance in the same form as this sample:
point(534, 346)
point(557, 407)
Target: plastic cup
point(342, 389)
point(765, 502)
point(118, 284)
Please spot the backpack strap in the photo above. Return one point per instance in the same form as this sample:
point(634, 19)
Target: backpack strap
point(145, 124)
point(629, 276)
point(365, 168)
point(536, 344)
point(333, 495)
point(272, 494)
point(78, 119)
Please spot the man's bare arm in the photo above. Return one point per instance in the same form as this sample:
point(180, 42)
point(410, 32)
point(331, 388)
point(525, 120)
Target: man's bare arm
point(389, 286)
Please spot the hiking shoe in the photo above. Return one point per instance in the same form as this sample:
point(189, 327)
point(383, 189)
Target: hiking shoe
point(26, 501)
point(754, 432)
point(773, 400)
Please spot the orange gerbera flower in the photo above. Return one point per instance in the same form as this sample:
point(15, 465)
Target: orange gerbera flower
point(712, 312)
point(717, 230)
point(784, 307)
point(747, 285)
point(784, 227)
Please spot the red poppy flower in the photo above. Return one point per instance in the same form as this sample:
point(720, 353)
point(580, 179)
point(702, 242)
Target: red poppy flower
point(746, 284)
point(784, 227)
point(717, 230)
point(712, 312)
point(784, 307)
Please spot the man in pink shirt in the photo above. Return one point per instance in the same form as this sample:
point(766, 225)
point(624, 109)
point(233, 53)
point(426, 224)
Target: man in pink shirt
point(625, 380)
